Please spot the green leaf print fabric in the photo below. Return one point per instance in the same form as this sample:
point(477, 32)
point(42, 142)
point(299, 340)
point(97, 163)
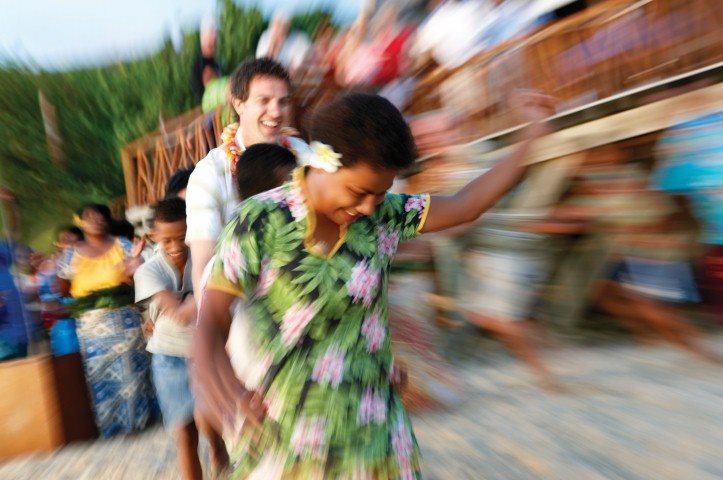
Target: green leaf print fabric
point(321, 325)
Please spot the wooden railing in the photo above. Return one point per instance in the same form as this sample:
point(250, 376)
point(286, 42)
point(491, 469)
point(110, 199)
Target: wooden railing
point(149, 161)
point(605, 50)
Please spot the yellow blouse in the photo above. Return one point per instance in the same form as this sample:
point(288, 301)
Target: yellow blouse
point(88, 274)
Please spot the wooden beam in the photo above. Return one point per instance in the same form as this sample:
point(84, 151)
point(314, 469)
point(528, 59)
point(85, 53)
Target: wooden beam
point(129, 175)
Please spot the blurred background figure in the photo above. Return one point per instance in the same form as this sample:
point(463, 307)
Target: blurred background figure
point(290, 48)
point(97, 272)
point(205, 67)
point(13, 320)
point(692, 166)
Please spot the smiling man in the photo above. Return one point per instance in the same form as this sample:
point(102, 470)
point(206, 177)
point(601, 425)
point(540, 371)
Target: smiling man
point(261, 95)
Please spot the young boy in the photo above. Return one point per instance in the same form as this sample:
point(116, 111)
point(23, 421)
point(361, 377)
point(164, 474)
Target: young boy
point(261, 167)
point(163, 285)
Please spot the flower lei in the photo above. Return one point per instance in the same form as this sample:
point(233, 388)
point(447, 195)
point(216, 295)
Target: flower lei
point(316, 154)
point(229, 146)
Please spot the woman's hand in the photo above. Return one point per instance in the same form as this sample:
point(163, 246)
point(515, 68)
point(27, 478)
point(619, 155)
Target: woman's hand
point(135, 259)
point(533, 108)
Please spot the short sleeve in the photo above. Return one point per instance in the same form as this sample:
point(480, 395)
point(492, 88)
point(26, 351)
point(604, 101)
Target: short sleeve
point(64, 270)
point(405, 214)
point(237, 260)
point(204, 205)
point(150, 280)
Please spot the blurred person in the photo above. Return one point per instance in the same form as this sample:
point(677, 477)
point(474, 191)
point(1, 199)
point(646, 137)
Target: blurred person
point(13, 330)
point(647, 250)
point(178, 183)
point(163, 286)
point(312, 257)
point(379, 57)
point(52, 300)
point(290, 49)
point(691, 165)
point(261, 167)
point(97, 272)
point(205, 68)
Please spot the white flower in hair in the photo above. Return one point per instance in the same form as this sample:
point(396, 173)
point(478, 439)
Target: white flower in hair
point(319, 155)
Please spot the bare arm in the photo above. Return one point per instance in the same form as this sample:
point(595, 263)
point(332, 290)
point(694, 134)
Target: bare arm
point(481, 193)
point(201, 253)
point(219, 393)
point(181, 311)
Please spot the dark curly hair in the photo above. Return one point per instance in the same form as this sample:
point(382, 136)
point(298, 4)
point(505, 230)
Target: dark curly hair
point(252, 68)
point(365, 128)
point(262, 167)
point(178, 182)
point(169, 210)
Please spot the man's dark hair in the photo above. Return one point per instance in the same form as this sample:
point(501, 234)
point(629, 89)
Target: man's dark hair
point(178, 182)
point(262, 167)
point(252, 68)
point(365, 128)
point(169, 210)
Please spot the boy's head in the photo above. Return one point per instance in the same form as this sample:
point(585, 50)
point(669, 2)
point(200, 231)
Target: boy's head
point(177, 184)
point(261, 96)
point(262, 167)
point(169, 230)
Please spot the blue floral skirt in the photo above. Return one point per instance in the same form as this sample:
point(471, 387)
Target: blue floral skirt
point(117, 369)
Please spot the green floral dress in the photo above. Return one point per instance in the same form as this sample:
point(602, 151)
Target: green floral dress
point(321, 324)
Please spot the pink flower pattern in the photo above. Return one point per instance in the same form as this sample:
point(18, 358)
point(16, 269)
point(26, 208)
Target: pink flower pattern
point(332, 366)
point(363, 283)
point(267, 276)
point(275, 195)
point(403, 448)
point(234, 263)
point(296, 204)
point(415, 203)
point(309, 437)
point(373, 331)
point(372, 408)
point(388, 242)
point(329, 368)
point(295, 320)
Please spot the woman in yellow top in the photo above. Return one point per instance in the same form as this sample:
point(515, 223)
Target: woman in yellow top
point(97, 273)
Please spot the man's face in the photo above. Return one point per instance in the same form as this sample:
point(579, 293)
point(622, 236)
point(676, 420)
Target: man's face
point(265, 112)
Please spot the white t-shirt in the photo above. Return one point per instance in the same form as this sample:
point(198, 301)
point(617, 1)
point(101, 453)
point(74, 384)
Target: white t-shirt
point(211, 196)
point(170, 337)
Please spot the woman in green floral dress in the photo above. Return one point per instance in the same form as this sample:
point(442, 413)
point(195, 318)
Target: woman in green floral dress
point(311, 259)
